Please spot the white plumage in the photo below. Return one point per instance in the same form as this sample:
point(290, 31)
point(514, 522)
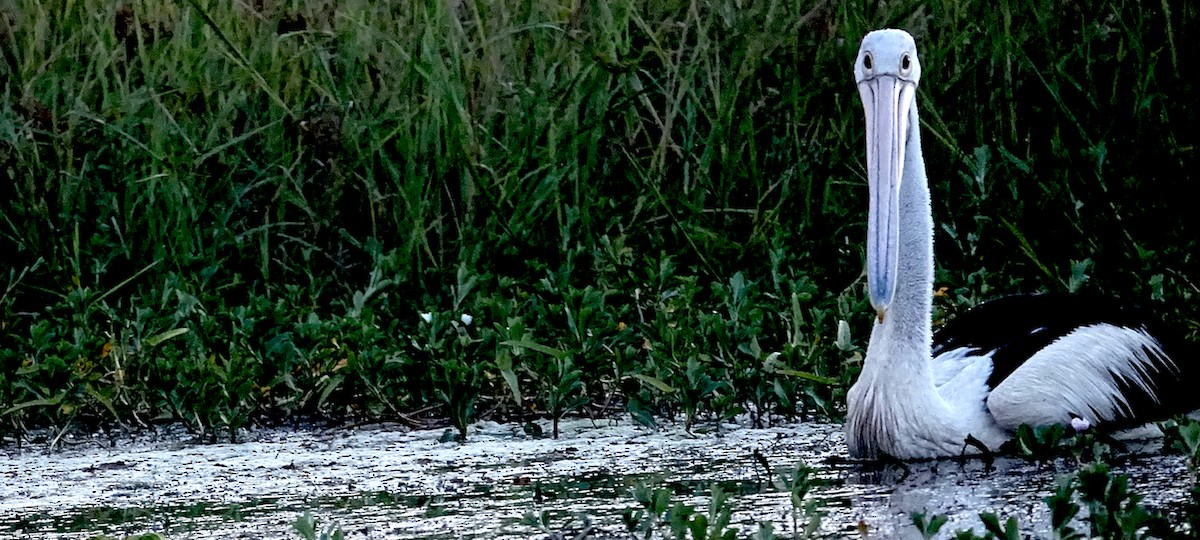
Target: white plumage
point(908, 403)
point(1082, 371)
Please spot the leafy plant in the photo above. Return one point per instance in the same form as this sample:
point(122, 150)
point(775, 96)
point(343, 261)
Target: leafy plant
point(806, 518)
point(308, 528)
point(1063, 509)
point(657, 516)
point(1114, 511)
point(1183, 435)
point(928, 526)
point(565, 395)
point(1041, 442)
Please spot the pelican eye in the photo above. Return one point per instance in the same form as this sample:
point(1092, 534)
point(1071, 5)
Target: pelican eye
point(906, 62)
point(867, 61)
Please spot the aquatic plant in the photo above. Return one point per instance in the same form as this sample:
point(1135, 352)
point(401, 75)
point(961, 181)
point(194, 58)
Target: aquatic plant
point(1113, 512)
point(565, 395)
point(658, 517)
point(308, 527)
point(806, 515)
point(1064, 509)
point(453, 355)
point(1045, 443)
point(927, 526)
point(1183, 435)
point(1039, 442)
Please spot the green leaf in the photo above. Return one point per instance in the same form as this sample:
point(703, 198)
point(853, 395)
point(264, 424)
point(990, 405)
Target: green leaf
point(655, 382)
point(1190, 434)
point(806, 375)
point(843, 335)
point(797, 320)
point(538, 347)
point(1079, 274)
point(699, 527)
point(103, 401)
point(330, 385)
point(505, 365)
point(156, 339)
point(34, 403)
point(306, 526)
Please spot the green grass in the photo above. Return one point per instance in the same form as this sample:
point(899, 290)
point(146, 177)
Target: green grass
point(237, 213)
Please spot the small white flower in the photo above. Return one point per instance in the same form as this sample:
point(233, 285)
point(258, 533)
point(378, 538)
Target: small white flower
point(427, 317)
point(466, 319)
point(1080, 424)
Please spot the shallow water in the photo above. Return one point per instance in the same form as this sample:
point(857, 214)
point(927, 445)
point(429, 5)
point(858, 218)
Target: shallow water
point(391, 482)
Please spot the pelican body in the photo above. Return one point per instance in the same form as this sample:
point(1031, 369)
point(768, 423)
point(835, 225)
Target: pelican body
point(1038, 360)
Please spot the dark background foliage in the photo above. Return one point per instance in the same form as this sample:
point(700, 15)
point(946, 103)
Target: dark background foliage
point(228, 213)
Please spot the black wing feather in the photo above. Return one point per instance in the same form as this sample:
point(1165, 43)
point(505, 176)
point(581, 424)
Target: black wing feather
point(1017, 327)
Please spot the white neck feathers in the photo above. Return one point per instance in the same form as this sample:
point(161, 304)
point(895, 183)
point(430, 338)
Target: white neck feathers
point(894, 407)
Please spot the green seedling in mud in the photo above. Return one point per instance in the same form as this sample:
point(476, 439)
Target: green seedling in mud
point(564, 393)
point(993, 529)
point(657, 517)
point(562, 388)
point(1183, 435)
point(1113, 512)
point(927, 526)
point(308, 527)
point(698, 388)
point(806, 516)
point(1064, 509)
point(1041, 442)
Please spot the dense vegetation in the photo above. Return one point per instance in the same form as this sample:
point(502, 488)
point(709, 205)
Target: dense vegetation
point(237, 212)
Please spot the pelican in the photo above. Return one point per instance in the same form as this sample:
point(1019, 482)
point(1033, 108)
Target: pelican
point(1038, 359)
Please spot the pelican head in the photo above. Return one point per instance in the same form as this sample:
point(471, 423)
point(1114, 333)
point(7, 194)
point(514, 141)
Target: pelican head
point(887, 72)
